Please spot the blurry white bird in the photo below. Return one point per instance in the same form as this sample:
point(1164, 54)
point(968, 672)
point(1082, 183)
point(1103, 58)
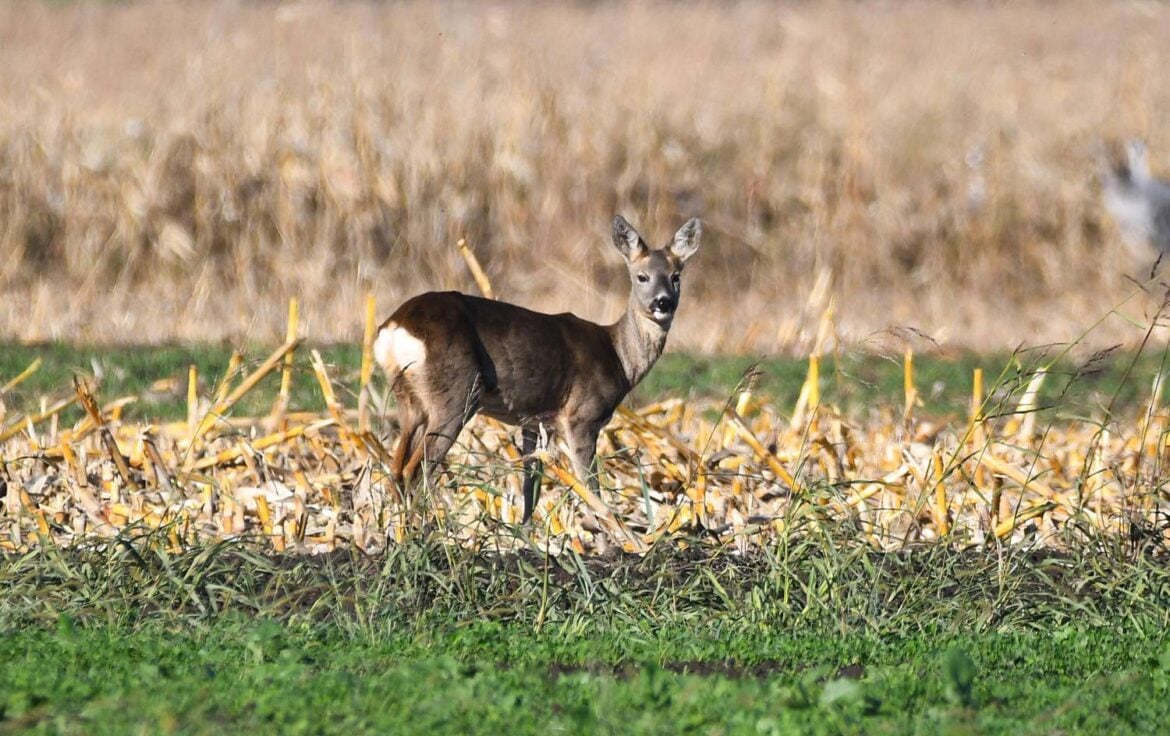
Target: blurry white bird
point(1137, 201)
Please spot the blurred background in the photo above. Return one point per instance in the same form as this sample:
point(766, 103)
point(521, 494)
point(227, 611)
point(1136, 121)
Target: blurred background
point(177, 171)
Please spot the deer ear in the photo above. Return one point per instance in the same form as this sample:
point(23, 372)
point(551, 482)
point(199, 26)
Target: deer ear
point(627, 240)
point(686, 240)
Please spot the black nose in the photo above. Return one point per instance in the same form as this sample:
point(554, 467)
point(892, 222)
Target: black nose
point(662, 304)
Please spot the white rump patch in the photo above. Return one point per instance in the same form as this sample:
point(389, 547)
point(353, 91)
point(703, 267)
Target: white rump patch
point(396, 349)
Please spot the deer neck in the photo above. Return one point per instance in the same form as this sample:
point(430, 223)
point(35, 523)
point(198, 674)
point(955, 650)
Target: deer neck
point(639, 342)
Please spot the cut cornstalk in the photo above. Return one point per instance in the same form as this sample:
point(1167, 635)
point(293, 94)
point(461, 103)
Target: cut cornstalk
point(88, 402)
point(764, 454)
point(809, 394)
point(1008, 526)
point(23, 423)
point(1027, 407)
point(263, 443)
point(367, 364)
point(193, 399)
point(477, 272)
point(941, 511)
point(224, 406)
point(161, 475)
point(975, 429)
point(995, 465)
point(347, 436)
point(908, 386)
point(280, 406)
point(225, 383)
point(591, 500)
point(119, 460)
point(20, 378)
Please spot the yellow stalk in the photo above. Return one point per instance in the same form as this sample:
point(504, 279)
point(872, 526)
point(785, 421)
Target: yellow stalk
point(814, 381)
point(940, 497)
point(367, 363)
point(263, 443)
point(20, 377)
point(1008, 526)
point(996, 465)
point(192, 399)
point(245, 386)
point(606, 516)
point(23, 423)
point(911, 392)
point(477, 272)
point(762, 453)
point(281, 405)
point(221, 391)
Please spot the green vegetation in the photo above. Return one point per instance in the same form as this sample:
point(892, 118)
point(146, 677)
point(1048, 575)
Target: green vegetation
point(852, 381)
point(488, 678)
point(821, 636)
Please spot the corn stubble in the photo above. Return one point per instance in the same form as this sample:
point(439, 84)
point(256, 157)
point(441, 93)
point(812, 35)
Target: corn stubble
point(735, 475)
point(177, 172)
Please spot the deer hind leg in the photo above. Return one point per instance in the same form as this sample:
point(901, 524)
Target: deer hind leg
point(532, 469)
point(451, 405)
point(410, 423)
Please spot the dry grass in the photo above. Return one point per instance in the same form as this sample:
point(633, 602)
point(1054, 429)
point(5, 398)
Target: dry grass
point(176, 171)
point(736, 475)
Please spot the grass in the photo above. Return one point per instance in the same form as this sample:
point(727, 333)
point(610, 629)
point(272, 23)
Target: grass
point(268, 678)
point(818, 638)
point(852, 381)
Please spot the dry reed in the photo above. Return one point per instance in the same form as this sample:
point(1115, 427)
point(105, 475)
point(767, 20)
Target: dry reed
point(178, 171)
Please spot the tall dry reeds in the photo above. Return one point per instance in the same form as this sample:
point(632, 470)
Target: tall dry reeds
point(177, 171)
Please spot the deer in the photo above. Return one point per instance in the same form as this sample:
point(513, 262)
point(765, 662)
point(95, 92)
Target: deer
point(1138, 201)
point(449, 356)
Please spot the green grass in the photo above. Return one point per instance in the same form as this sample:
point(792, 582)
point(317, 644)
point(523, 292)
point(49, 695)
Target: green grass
point(717, 677)
point(854, 381)
point(819, 637)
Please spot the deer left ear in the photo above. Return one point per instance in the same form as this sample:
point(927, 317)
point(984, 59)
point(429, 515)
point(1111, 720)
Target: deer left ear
point(686, 240)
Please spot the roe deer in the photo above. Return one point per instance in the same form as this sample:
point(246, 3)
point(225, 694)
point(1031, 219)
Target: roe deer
point(450, 355)
point(1138, 201)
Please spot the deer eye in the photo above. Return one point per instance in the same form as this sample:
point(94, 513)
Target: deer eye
point(674, 279)
point(643, 278)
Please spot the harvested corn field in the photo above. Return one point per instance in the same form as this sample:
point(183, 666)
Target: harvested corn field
point(731, 474)
point(923, 164)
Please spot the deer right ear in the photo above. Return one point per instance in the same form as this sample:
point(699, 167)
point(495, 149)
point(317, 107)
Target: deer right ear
point(627, 240)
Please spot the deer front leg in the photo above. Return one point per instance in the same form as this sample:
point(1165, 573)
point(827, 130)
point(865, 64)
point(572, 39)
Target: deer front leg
point(532, 469)
point(581, 438)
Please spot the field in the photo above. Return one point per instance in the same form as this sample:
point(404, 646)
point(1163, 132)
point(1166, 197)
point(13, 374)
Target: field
point(188, 605)
point(797, 640)
point(901, 470)
point(325, 151)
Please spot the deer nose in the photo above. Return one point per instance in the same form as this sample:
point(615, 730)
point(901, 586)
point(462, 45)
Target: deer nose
point(662, 304)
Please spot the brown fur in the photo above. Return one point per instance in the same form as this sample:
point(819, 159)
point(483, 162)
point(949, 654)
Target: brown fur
point(526, 368)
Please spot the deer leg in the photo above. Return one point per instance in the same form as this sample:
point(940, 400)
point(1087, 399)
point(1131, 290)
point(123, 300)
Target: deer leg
point(532, 469)
point(410, 422)
point(444, 421)
point(437, 441)
point(407, 438)
point(416, 453)
point(582, 441)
